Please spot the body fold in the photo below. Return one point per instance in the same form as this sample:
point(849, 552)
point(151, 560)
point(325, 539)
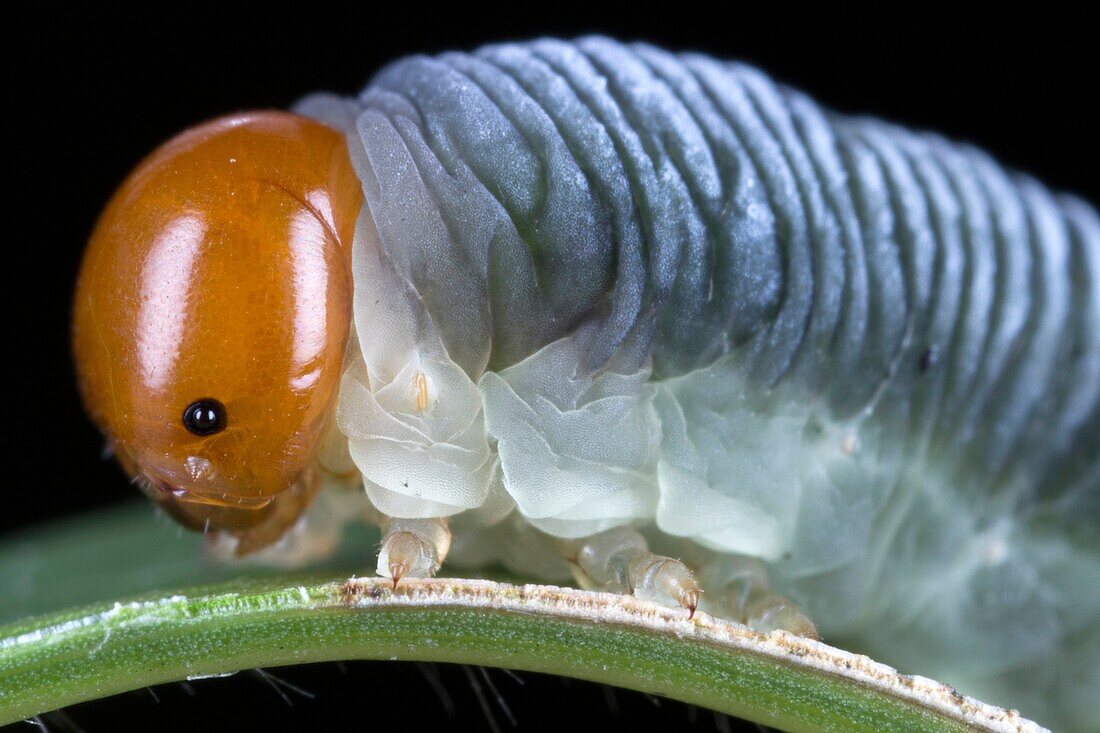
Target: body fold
point(664, 290)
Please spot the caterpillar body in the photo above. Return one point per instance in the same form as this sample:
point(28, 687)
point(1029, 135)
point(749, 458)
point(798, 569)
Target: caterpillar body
point(543, 297)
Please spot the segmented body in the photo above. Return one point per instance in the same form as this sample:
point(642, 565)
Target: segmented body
point(690, 298)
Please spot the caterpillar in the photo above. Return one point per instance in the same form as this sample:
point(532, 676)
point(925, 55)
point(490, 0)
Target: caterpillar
point(648, 320)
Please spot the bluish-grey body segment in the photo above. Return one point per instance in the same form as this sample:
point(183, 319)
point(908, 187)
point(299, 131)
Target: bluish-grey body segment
point(691, 207)
point(680, 212)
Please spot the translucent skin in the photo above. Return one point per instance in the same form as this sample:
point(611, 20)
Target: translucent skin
point(220, 269)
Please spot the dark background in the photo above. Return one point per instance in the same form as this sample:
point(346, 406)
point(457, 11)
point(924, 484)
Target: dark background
point(91, 94)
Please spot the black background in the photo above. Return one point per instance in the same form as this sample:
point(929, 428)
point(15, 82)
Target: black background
point(91, 94)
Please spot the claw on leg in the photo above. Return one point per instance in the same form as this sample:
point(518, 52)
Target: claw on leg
point(619, 561)
point(413, 548)
point(406, 553)
point(662, 579)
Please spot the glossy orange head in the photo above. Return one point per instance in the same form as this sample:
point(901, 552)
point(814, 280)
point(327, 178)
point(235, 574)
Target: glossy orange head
point(212, 313)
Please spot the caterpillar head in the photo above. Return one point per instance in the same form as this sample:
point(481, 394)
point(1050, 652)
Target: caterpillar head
point(212, 313)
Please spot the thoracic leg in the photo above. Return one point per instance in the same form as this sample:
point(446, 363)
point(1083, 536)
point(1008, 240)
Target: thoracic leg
point(413, 548)
point(737, 589)
point(619, 561)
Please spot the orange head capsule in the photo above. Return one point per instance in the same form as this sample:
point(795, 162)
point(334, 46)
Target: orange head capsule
point(211, 317)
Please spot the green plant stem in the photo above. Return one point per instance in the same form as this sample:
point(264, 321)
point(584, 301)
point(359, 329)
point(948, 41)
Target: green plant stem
point(58, 660)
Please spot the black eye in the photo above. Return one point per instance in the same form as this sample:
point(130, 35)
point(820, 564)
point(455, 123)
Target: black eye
point(204, 417)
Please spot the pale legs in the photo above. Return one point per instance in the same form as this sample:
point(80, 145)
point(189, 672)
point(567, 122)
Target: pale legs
point(737, 589)
point(413, 548)
point(619, 561)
